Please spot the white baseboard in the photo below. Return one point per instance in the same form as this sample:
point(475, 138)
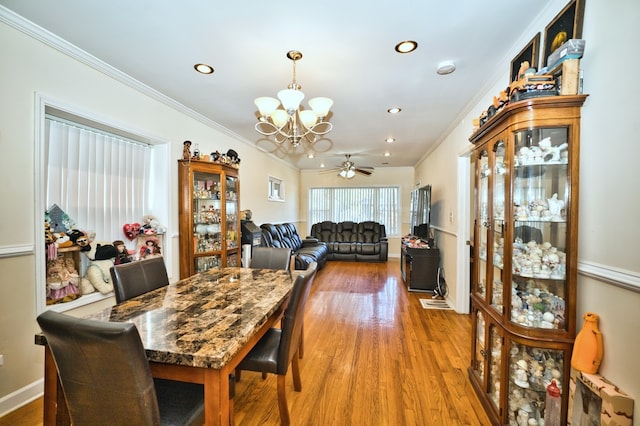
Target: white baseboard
point(17, 399)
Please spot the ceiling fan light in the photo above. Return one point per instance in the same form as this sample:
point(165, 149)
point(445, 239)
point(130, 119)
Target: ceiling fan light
point(308, 118)
point(350, 174)
point(280, 117)
point(290, 99)
point(321, 105)
point(266, 105)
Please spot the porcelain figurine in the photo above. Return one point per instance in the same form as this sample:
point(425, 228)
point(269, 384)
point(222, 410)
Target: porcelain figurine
point(555, 207)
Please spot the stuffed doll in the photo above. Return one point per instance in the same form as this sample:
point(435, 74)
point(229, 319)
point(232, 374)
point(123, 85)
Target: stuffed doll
point(123, 255)
point(150, 249)
point(97, 276)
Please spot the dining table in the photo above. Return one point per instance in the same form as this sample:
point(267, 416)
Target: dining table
point(195, 330)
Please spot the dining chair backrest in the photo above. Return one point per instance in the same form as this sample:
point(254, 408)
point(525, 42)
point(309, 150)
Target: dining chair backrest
point(270, 258)
point(292, 320)
point(103, 370)
point(106, 378)
point(135, 278)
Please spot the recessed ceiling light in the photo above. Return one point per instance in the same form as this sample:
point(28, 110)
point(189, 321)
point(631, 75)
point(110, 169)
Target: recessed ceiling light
point(310, 155)
point(390, 140)
point(387, 154)
point(445, 68)
point(203, 68)
point(394, 110)
point(406, 46)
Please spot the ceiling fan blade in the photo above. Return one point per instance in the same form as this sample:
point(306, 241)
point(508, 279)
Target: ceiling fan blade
point(364, 172)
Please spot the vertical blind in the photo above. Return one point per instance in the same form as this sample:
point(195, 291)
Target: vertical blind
point(357, 204)
point(100, 180)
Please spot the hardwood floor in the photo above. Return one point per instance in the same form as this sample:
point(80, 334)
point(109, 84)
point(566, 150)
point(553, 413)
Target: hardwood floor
point(373, 356)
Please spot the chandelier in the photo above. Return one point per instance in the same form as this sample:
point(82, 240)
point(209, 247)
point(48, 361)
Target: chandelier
point(290, 123)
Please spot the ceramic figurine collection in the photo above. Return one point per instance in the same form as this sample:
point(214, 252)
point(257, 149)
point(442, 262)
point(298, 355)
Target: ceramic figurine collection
point(531, 371)
point(230, 158)
point(207, 235)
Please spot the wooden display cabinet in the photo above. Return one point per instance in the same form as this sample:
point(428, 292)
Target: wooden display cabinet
point(209, 219)
point(525, 262)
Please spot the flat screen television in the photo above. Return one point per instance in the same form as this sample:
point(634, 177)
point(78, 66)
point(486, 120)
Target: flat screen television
point(421, 212)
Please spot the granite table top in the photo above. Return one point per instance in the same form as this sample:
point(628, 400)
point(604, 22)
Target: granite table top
point(204, 320)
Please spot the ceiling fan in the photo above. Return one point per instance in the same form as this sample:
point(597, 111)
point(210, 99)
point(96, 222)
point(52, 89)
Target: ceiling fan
point(348, 169)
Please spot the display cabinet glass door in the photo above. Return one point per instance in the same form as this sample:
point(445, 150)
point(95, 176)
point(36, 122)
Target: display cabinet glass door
point(541, 194)
point(531, 370)
point(487, 357)
point(482, 224)
point(496, 242)
point(231, 206)
point(207, 221)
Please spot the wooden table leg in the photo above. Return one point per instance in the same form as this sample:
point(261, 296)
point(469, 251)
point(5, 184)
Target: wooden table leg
point(216, 397)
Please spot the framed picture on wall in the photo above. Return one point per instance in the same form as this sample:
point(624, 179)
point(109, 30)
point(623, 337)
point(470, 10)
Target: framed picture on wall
point(565, 26)
point(276, 189)
point(529, 53)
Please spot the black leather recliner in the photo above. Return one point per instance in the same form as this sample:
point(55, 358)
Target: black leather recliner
point(366, 241)
point(305, 250)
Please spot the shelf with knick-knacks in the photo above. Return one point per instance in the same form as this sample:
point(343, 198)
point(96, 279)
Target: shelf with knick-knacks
point(208, 215)
point(525, 264)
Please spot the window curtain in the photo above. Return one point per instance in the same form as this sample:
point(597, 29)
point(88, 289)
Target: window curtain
point(358, 204)
point(100, 180)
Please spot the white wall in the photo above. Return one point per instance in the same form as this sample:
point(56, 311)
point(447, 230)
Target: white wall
point(609, 197)
point(30, 67)
point(382, 176)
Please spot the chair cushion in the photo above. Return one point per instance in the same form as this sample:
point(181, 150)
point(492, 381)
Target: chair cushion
point(264, 355)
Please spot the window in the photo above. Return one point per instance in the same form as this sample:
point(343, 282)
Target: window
point(102, 175)
point(100, 180)
point(379, 204)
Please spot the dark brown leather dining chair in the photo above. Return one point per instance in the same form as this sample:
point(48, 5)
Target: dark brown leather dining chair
point(278, 348)
point(270, 258)
point(135, 278)
point(106, 377)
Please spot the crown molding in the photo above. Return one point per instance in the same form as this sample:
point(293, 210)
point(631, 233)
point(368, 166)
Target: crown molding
point(38, 33)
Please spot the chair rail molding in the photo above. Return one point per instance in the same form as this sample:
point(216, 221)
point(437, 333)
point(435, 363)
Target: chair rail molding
point(629, 280)
point(16, 250)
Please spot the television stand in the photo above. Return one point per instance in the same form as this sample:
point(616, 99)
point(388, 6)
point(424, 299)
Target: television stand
point(419, 267)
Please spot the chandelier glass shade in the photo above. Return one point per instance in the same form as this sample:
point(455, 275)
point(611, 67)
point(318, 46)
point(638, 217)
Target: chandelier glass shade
point(283, 118)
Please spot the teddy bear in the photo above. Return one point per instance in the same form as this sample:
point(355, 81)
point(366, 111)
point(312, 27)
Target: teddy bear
point(97, 277)
point(151, 226)
point(62, 279)
point(48, 233)
point(80, 239)
point(62, 240)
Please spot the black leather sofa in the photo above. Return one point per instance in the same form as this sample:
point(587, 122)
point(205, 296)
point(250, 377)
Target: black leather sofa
point(305, 250)
point(365, 241)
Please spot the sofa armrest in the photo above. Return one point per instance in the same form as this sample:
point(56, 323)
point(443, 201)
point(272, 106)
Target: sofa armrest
point(310, 241)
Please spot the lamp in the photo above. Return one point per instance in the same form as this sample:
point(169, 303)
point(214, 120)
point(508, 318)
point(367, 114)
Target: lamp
point(290, 123)
point(348, 169)
point(346, 173)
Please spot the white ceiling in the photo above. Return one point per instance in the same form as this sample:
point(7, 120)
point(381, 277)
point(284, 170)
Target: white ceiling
point(349, 56)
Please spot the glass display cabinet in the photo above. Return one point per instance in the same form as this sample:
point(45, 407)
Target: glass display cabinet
point(524, 280)
point(209, 217)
